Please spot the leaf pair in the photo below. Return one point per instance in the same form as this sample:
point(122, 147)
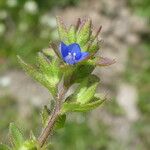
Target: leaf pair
point(83, 99)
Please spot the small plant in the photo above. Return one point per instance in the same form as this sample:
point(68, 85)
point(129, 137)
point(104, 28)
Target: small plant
point(57, 69)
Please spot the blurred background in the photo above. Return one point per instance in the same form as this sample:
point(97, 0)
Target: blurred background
point(27, 26)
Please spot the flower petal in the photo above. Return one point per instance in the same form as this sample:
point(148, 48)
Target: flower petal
point(74, 48)
point(69, 60)
point(84, 55)
point(64, 49)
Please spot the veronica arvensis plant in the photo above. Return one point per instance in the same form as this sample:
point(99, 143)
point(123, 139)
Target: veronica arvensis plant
point(71, 61)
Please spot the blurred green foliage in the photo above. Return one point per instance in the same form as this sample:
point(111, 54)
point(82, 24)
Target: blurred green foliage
point(26, 27)
point(7, 107)
point(138, 73)
point(78, 134)
point(142, 7)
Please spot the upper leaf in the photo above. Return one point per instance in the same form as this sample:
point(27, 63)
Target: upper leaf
point(48, 74)
point(72, 34)
point(62, 31)
point(84, 33)
point(16, 136)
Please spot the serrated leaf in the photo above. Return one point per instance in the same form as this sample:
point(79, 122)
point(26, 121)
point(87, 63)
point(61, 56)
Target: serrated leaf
point(60, 122)
point(15, 135)
point(62, 31)
point(45, 115)
point(48, 79)
point(43, 63)
point(85, 94)
point(86, 46)
point(85, 90)
point(4, 147)
point(72, 34)
point(84, 33)
point(81, 72)
point(47, 67)
point(78, 107)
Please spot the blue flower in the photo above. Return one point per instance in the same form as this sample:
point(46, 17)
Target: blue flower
point(72, 54)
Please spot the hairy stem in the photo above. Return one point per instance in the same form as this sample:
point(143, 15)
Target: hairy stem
point(47, 131)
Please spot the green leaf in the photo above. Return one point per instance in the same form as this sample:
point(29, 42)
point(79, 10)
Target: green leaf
point(85, 94)
point(30, 145)
point(95, 46)
point(45, 115)
point(78, 107)
point(72, 34)
point(43, 63)
point(85, 90)
point(49, 68)
point(84, 33)
point(32, 136)
point(60, 122)
point(16, 136)
point(62, 31)
point(4, 147)
point(48, 78)
point(81, 72)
